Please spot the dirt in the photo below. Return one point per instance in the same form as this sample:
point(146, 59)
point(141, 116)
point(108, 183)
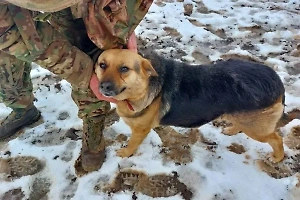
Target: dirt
point(289, 167)
point(172, 32)
point(292, 140)
point(236, 148)
point(15, 194)
point(201, 57)
point(188, 9)
point(177, 147)
point(160, 185)
point(40, 188)
point(17, 167)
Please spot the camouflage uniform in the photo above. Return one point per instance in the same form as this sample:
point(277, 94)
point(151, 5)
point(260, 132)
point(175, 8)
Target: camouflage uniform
point(64, 40)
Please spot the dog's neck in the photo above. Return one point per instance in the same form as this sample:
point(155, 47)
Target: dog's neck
point(139, 105)
point(130, 107)
point(134, 108)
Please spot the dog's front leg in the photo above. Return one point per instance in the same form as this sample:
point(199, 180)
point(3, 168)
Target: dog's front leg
point(137, 137)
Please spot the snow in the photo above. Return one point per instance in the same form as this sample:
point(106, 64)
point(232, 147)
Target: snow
point(211, 175)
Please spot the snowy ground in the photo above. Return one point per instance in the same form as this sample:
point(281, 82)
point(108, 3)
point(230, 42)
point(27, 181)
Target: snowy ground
point(206, 163)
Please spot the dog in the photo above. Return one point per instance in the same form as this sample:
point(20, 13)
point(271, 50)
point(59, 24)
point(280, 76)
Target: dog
point(152, 91)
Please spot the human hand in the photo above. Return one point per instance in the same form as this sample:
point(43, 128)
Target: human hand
point(94, 82)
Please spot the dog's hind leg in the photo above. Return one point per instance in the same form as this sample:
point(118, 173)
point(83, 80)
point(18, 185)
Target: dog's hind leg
point(260, 125)
point(274, 140)
point(265, 127)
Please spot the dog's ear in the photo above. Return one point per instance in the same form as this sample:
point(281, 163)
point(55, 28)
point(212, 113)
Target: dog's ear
point(146, 65)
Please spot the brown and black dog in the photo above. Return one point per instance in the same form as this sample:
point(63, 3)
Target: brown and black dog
point(157, 91)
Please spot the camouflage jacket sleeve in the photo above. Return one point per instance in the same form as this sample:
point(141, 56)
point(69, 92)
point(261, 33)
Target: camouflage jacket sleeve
point(43, 5)
point(109, 23)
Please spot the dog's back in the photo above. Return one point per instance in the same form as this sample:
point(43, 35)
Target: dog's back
point(193, 95)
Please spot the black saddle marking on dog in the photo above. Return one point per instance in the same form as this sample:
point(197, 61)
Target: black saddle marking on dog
point(198, 94)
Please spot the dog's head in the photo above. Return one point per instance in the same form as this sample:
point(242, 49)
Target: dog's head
point(123, 74)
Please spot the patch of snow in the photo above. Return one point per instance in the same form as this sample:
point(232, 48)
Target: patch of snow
point(212, 175)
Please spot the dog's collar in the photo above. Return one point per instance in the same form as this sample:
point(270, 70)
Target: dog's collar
point(130, 107)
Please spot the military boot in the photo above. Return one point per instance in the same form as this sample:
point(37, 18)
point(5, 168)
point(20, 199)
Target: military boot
point(17, 119)
point(93, 145)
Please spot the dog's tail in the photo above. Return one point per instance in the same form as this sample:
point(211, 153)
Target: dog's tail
point(287, 117)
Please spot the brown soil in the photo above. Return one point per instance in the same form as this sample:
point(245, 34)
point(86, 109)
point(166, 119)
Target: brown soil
point(19, 166)
point(176, 147)
point(15, 194)
point(236, 148)
point(286, 168)
point(160, 185)
point(292, 140)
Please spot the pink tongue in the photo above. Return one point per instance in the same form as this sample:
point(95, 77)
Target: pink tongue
point(109, 99)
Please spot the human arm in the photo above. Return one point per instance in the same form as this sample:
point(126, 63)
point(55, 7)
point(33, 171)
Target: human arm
point(45, 6)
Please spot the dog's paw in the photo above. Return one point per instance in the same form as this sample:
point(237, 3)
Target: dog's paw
point(275, 159)
point(124, 152)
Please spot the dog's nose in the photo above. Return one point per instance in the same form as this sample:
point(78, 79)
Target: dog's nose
point(107, 86)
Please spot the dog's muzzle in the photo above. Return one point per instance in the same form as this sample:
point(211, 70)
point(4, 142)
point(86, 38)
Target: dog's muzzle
point(107, 88)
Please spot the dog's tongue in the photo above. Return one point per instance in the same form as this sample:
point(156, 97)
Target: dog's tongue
point(104, 98)
point(109, 99)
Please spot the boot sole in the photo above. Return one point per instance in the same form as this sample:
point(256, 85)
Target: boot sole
point(27, 121)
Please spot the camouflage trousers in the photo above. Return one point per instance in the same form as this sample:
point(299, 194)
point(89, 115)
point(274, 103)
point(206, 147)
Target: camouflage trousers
point(66, 54)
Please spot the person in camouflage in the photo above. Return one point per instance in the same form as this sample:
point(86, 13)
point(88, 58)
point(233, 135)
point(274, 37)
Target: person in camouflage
point(64, 37)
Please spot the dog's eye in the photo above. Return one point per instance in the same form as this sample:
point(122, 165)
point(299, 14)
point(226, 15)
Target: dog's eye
point(102, 65)
point(123, 69)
